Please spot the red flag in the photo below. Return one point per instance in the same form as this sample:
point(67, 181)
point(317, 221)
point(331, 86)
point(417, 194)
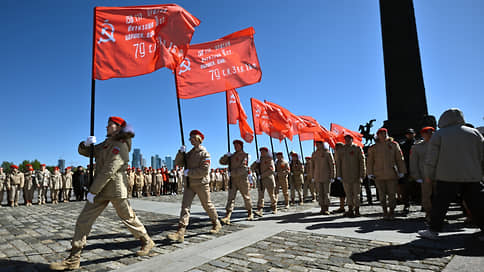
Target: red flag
point(227, 63)
point(261, 118)
point(314, 131)
point(295, 123)
point(236, 113)
point(132, 41)
point(340, 132)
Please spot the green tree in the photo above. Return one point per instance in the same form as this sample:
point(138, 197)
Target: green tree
point(6, 166)
point(35, 164)
point(23, 166)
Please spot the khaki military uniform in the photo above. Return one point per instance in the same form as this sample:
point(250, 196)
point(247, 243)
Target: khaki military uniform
point(43, 181)
point(239, 182)
point(267, 181)
point(3, 186)
point(212, 181)
point(282, 175)
point(417, 160)
point(218, 181)
point(147, 182)
point(139, 183)
point(351, 168)
point(109, 185)
point(29, 187)
point(179, 181)
point(297, 180)
point(158, 183)
point(308, 181)
point(197, 183)
point(55, 186)
point(323, 171)
point(15, 183)
point(131, 179)
point(385, 162)
point(67, 186)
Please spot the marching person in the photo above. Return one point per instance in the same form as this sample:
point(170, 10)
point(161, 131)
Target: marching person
point(264, 167)
point(3, 185)
point(15, 184)
point(455, 162)
point(43, 182)
point(297, 178)
point(238, 167)
point(282, 174)
point(417, 160)
point(108, 186)
point(386, 166)
point(55, 185)
point(308, 180)
point(29, 185)
point(323, 173)
point(197, 166)
point(351, 169)
point(67, 184)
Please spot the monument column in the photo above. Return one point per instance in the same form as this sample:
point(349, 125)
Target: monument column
point(405, 91)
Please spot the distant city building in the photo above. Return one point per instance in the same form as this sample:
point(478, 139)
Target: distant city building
point(168, 162)
point(143, 162)
point(136, 158)
point(62, 164)
point(155, 162)
point(158, 161)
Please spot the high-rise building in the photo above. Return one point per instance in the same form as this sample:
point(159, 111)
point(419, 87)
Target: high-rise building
point(155, 162)
point(136, 158)
point(62, 165)
point(158, 161)
point(168, 162)
point(143, 162)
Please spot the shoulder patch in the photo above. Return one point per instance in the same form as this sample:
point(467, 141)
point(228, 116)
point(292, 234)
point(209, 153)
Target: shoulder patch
point(116, 150)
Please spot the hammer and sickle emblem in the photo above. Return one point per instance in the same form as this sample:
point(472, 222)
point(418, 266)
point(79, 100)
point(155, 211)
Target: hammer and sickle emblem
point(185, 65)
point(104, 32)
point(232, 99)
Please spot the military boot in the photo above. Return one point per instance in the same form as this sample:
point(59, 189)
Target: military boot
point(357, 211)
point(146, 245)
point(178, 236)
point(286, 204)
point(274, 210)
point(259, 212)
point(250, 216)
point(226, 219)
point(216, 227)
point(71, 262)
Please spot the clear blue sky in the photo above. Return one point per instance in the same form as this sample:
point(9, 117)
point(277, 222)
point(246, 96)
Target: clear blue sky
point(318, 58)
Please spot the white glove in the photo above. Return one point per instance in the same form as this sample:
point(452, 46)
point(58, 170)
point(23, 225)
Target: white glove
point(371, 177)
point(228, 154)
point(338, 178)
point(90, 140)
point(183, 149)
point(185, 173)
point(228, 173)
point(257, 161)
point(419, 180)
point(401, 175)
point(312, 180)
point(90, 197)
point(331, 180)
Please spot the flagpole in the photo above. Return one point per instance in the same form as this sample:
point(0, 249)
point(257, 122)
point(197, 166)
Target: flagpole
point(181, 128)
point(228, 138)
point(272, 148)
point(287, 149)
point(93, 101)
point(300, 147)
point(253, 124)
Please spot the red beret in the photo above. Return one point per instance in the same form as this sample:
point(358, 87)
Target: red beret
point(238, 142)
point(118, 120)
point(279, 153)
point(31, 169)
point(14, 166)
point(427, 129)
point(197, 132)
point(382, 130)
point(294, 154)
point(264, 149)
point(68, 168)
point(42, 164)
point(308, 158)
point(56, 168)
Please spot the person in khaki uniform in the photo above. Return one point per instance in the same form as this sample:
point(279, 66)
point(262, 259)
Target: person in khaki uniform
point(351, 169)
point(131, 177)
point(386, 166)
point(282, 178)
point(67, 184)
point(238, 181)
point(323, 172)
point(197, 166)
point(264, 167)
point(212, 180)
point(417, 160)
point(297, 178)
point(138, 183)
point(3, 185)
point(148, 180)
point(55, 185)
point(158, 182)
point(43, 181)
point(308, 180)
point(15, 184)
point(29, 185)
point(109, 186)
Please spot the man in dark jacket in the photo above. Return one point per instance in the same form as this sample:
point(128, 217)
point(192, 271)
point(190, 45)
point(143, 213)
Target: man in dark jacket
point(79, 180)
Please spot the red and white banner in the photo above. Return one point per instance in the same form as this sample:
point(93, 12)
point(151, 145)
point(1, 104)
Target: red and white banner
point(236, 113)
point(227, 63)
point(136, 40)
point(270, 120)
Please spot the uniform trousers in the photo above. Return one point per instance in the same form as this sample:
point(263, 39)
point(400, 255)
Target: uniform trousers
point(202, 190)
point(323, 193)
point(427, 189)
point(352, 191)
point(284, 185)
point(14, 193)
point(308, 185)
point(28, 194)
point(2, 192)
point(92, 210)
point(42, 194)
point(387, 190)
point(240, 184)
point(296, 186)
point(54, 194)
point(67, 193)
point(268, 184)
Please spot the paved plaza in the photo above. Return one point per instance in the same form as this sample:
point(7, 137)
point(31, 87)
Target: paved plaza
point(296, 239)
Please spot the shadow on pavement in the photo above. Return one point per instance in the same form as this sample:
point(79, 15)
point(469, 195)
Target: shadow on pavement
point(420, 249)
point(22, 266)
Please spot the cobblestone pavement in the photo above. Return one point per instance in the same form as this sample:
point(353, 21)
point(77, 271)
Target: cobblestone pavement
point(32, 237)
point(305, 251)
